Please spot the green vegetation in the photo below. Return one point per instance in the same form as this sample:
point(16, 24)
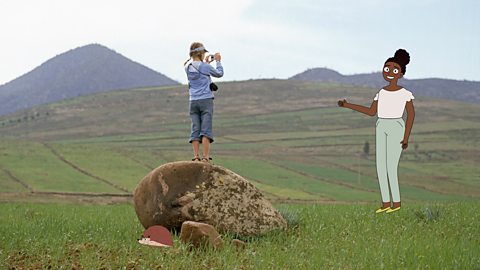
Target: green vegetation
point(434, 236)
point(106, 163)
point(287, 137)
point(36, 166)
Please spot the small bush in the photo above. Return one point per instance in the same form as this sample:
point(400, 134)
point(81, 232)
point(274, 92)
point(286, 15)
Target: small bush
point(291, 216)
point(428, 215)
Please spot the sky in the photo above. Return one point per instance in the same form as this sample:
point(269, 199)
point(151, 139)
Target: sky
point(257, 38)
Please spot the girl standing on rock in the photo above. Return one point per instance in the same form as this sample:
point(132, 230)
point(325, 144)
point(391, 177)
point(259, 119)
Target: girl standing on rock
point(391, 132)
point(198, 71)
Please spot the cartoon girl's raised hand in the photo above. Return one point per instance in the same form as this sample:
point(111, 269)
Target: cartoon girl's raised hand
point(342, 103)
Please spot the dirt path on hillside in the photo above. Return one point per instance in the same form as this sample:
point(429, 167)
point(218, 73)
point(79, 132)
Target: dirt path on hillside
point(65, 197)
point(125, 154)
point(18, 180)
point(83, 171)
point(339, 183)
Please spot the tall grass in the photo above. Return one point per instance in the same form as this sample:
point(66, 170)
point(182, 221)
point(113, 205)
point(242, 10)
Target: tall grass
point(324, 237)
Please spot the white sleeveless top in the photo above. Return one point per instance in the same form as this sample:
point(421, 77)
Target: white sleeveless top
point(391, 104)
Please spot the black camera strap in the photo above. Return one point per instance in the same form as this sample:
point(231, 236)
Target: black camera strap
point(191, 64)
point(213, 86)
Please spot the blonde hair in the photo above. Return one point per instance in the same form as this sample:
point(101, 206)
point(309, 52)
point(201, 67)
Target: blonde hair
point(193, 54)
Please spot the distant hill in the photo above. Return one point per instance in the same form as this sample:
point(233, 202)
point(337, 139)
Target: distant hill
point(78, 72)
point(468, 91)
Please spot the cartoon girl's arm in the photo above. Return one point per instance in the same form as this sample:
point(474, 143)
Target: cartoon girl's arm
point(372, 111)
point(409, 124)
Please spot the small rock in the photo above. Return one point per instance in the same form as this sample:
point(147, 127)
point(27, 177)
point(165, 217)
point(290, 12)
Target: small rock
point(200, 235)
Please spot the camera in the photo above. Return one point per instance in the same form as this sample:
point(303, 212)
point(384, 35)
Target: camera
point(210, 57)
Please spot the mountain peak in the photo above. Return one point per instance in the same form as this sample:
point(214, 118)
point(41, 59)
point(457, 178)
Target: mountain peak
point(81, 71)
point(318, 74)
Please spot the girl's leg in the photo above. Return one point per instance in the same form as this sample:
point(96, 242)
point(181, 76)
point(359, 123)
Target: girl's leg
point(195, 134)
point(396, 128)
point(381, 159)
point(206, 126)
point(196, 149)
point(206, 147)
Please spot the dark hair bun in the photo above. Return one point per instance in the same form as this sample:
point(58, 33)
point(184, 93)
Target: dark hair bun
point(402, 57)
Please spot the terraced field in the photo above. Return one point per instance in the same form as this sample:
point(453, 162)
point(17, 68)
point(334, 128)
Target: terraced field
point(288, 138)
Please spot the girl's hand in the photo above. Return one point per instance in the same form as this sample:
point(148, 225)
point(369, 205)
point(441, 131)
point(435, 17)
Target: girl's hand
point(342, 103)
point(404, 144)
point(218, 57)
point(208, 59)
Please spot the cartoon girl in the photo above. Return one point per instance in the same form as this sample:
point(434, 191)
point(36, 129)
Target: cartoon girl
point(391, 132)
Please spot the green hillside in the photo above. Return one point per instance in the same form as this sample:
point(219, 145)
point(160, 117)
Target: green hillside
point(287, 137)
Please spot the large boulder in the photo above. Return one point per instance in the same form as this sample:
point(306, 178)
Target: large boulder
point(196, 191)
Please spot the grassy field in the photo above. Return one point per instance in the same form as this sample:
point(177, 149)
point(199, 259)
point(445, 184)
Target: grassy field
point(288, 138)
point(77, 236)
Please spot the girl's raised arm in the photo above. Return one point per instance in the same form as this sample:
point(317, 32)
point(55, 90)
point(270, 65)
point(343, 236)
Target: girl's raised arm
point(372, 111)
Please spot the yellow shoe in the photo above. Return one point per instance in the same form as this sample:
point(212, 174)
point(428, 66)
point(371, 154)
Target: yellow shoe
point(381, 210)
point(393, 209)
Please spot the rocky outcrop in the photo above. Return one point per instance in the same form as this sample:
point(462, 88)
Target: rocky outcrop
point(195, 191)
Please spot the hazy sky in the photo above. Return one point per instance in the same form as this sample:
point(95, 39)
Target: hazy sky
point(257, 38)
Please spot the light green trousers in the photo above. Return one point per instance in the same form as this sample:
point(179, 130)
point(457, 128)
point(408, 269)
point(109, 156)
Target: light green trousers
point(389, 134)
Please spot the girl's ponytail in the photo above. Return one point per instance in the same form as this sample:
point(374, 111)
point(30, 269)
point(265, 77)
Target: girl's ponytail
point(401, 57)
